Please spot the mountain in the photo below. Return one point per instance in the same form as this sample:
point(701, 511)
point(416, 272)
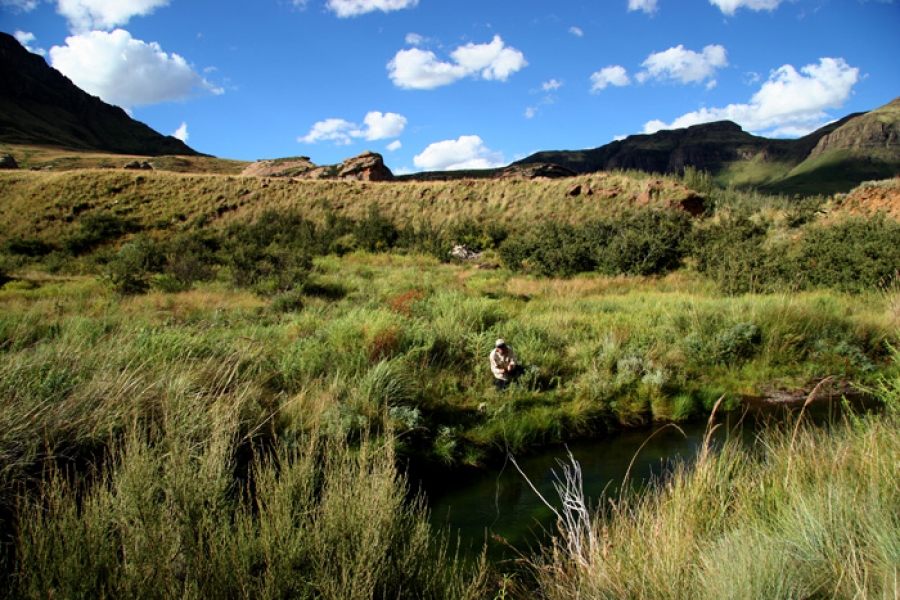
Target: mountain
point(835, 158)
point(42, 107)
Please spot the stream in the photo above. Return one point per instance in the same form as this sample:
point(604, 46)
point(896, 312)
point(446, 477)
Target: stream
point(498, 506)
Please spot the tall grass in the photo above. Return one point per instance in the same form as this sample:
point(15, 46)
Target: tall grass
point(804, 513)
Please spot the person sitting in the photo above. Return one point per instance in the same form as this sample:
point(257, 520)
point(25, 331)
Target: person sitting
point(504, 365)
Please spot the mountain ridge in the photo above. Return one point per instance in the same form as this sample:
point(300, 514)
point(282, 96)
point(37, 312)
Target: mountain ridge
point(734, 157)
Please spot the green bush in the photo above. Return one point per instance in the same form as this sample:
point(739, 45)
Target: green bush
point(548, 249)
point(376, 232)
point(641, 243)
point(733, 253)
point(131, 268)
point(97, 229)
point(31, 247)
point(856, 255)
point(192, 257)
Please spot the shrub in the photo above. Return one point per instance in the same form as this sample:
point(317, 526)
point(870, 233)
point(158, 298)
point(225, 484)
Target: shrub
point(192, 257)
point(99, 228)
point(733, 253)
point(859, 254)
point(31, 247)
point(376, 232)
point(131, 267)
point(549, 249)
point(641, 243)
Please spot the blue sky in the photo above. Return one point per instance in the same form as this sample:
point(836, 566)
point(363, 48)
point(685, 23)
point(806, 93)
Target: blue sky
point(446, 84)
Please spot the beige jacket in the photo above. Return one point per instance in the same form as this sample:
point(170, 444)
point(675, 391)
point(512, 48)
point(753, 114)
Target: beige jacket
point(500, 363)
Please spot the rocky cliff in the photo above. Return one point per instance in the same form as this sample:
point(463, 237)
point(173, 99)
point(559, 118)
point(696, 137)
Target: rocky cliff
point(873, 133)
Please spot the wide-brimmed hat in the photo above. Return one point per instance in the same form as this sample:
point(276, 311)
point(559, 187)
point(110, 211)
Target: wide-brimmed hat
point(499, 343)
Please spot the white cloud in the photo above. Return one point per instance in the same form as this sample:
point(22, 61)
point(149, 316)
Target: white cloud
point(26, 38)
point(576, 31)
point(788, 103)
point(613, 75)
point(181, 133)
point(421, 69)
point(414, 39)
point(468, 152)
point(380, 126)
point(553, 84)
point(86, 15)
point(395, 145)
point(337, 130)
point(124, 71)
point(683, 65)
point(21, 5)
point(729, 7)
point(376, 126)
point(648, 6)
point(530, 112)
point(354, 8)
point(494, 60)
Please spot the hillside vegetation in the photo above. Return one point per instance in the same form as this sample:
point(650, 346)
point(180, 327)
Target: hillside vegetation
point(221, 386)
point(50, 205)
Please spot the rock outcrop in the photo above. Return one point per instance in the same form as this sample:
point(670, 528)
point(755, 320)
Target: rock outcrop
point(535, 171)
point(368, 166)
point(875, 133)
point(8, 162)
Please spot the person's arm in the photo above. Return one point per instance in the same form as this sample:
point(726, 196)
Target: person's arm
point(512, 357)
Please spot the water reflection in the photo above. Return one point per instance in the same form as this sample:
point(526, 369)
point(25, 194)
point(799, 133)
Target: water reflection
point(501, 508)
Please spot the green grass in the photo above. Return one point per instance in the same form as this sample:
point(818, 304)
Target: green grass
point(209, 443)
point(806, 513)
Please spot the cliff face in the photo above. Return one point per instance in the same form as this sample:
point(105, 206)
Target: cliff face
point(834, 158)
point(877, 132)
point(41, 106)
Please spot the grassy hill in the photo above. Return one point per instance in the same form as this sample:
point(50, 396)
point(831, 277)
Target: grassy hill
point(46, 204)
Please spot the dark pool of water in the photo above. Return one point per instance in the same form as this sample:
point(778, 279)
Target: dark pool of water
point(499, 507)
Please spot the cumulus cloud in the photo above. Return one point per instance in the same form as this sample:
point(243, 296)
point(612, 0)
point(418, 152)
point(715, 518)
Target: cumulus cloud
point(87, 15)
point(26, 38)
point(576, 31)
point(468, 152)
point(181, 133)
point(354, 8)
point(376, 126)
point(789, 103)
point(613, 75)
point(414, 39)
point(395, 145)
point(421, 69)
point(683, 65)
point(124, 71)
point(729, 7)
point(648, 6)
point(380, 126)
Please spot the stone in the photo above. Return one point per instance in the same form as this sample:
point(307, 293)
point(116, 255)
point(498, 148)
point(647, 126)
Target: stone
point(8, 162)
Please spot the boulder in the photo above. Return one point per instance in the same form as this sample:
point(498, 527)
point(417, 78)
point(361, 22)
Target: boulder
point(137, 165)
point(8, 162)
point(462, 253)
point(368, 166)
point(535, 171)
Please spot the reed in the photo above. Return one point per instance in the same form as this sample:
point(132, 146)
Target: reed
point(805, 513)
